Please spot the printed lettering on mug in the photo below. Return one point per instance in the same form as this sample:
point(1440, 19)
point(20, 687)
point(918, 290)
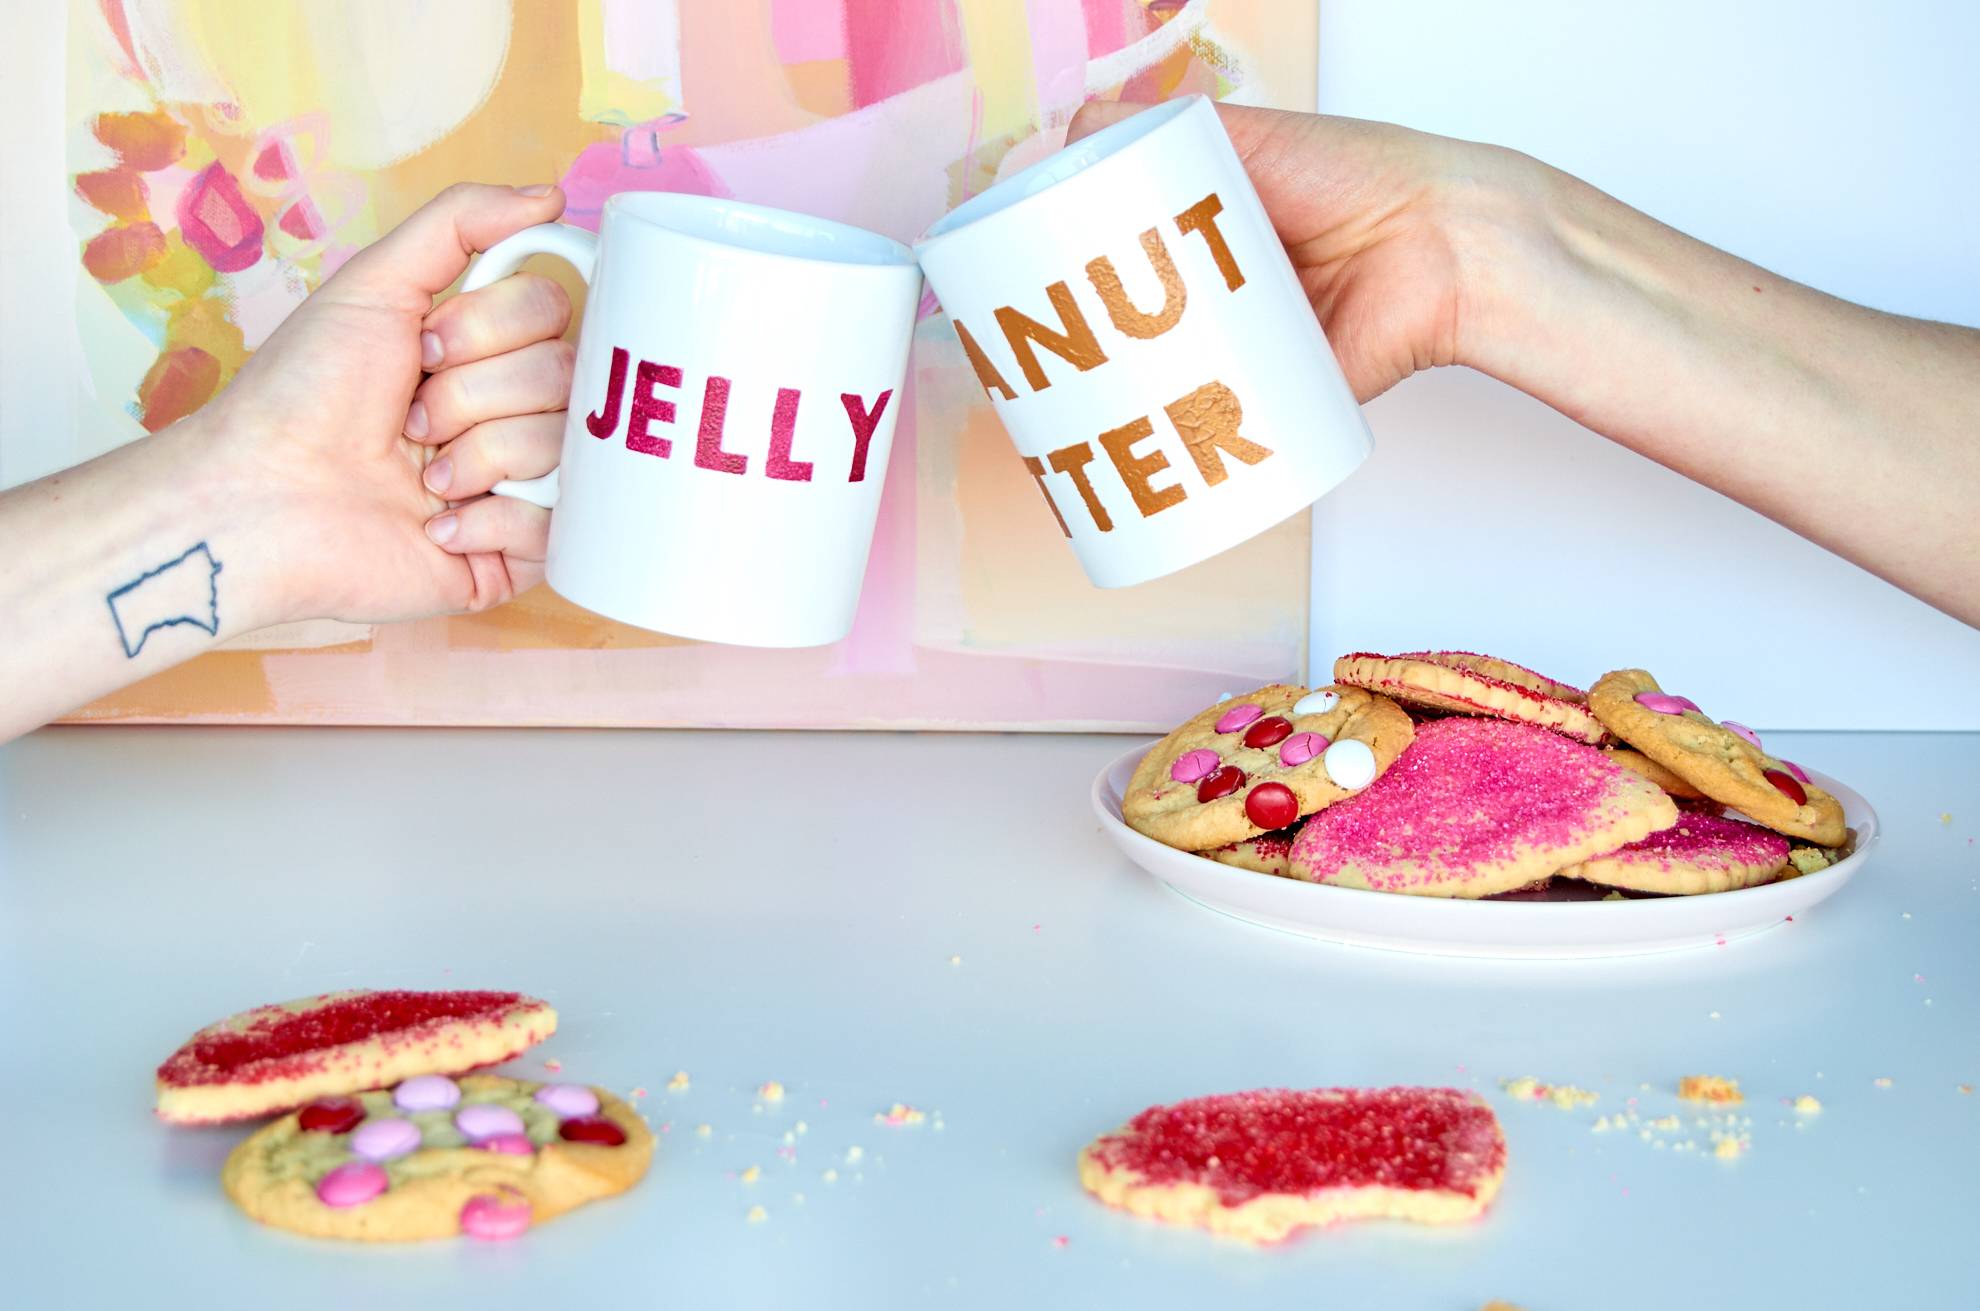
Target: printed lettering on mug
point(641, 395)
point(1207, 417)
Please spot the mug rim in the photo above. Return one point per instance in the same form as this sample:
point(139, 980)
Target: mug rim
point(1065, 165)
point(637, 206)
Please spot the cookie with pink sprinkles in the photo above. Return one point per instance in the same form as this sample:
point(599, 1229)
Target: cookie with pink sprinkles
point(1700, 853)
point(1268, 853)
point(1258, 762)
point(1466, 683)
point(1477, 807)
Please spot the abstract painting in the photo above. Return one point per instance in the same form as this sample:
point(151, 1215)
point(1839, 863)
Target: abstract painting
point(226, 158)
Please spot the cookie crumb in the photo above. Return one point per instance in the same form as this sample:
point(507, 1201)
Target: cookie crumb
point(1966, 1089)
point(553, 1065)
point(1710, 1088)
point(679, 1083)
point(1883, 1082)
point(1807, 1105)
point(703, 1130)
point(955, 960)
point(1565, 1096)
point(854, 1153)
point(800, 1127)
point(830, 1176)
point(757, 1215)
point(771, 1092)
point(1729, 1148)
point(639, 1092)
point(752, 1174)
point(898, 1114)
point(1945, 817)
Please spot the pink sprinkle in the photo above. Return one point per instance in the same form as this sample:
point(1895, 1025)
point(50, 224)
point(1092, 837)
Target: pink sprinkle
point(553, 1065)
point(1061, 1241)
point(1036, 927)
point(1237, 717)
point(639, 1092)
point(788, 1153)
point(1710, 841)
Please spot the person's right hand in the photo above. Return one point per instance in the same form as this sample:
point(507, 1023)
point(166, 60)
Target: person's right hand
point(1374, 218)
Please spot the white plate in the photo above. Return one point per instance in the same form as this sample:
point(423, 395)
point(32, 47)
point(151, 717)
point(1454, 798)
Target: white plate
point(1449, 927)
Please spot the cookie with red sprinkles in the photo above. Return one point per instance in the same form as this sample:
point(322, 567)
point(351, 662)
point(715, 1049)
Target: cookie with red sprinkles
point(1724, 760)
point(483, 1155)
point(1265, 854)
point(276, 1057)
point(1700, 853)
point(1258, 762)
point(1259, 1165)
point(1476, 807)
point(1464, 682)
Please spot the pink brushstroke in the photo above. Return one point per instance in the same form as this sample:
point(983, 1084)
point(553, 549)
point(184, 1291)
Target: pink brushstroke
point(639, 161)
point(1106, 25)
point(216, 220)
point(896, 45)
point(804, 31)
point(1058, 53)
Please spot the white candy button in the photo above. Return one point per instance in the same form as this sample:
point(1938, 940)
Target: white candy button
point(1317, 703)
point(1350, 764)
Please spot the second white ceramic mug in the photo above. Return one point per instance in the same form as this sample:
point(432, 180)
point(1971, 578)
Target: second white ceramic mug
point(732, 411)
point(1140, 331)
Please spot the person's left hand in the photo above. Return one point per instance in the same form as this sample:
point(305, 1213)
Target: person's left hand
point(377, 476)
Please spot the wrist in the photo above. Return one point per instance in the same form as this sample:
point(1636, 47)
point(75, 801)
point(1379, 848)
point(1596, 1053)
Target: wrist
point(225, 500)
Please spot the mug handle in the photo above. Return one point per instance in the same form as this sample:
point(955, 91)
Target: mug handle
point(574, 246)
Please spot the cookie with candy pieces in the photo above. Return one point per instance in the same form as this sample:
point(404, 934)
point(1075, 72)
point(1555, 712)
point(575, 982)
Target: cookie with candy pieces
point(1673, 784)
point(434, 1157)
point(1725, 761)
point(1267, 853)
point(279, 1056)
point(1256, 1166)
point(1260, 761)
point(1464, 682)
point(1700, 853)
point(1477, 807)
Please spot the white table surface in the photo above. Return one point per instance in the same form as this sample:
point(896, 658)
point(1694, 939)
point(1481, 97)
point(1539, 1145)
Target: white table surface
point(752, 906)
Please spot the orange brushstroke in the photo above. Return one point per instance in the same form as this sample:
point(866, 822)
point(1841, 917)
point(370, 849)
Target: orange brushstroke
point(179, 382)
point(119, 253)
point(118, 192)
point(143, 140)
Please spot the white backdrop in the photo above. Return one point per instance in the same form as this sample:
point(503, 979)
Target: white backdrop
point(1838, 144)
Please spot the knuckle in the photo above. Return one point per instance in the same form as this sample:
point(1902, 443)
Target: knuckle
point(549, 306)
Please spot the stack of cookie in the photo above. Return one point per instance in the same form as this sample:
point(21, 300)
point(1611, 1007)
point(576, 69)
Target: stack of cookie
point(386, 1137)
point(1452, 774)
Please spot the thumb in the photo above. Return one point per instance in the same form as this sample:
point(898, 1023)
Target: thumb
point(1096, 114)
point(424, 254)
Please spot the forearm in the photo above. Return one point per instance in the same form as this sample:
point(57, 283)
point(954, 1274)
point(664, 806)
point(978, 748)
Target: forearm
point(124, 567)
point(1859, 430)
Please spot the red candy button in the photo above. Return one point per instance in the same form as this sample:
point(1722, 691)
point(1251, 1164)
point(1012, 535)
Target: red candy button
point(1792, 790)
point(331, 1115)
point(1268, 732)
point(1220, 784)
point(592, 1129)
point(1271, 805)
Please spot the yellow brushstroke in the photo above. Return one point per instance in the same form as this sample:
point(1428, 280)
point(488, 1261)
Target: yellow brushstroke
point(607, 95)
point(997, 36)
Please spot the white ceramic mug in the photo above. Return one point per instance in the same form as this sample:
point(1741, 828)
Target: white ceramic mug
point(732, 410)
point(1137, 326)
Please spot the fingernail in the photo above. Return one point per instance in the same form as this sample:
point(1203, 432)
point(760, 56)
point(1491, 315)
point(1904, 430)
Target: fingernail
point(438, 475)
point(442, 529)
point(430, 350)
point(536, 189)
point(416, 420)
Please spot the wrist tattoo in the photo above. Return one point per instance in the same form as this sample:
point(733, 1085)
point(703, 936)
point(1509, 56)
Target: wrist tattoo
point(185, 590)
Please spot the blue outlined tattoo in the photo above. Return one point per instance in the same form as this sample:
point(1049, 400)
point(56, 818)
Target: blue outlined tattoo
point(181, 591)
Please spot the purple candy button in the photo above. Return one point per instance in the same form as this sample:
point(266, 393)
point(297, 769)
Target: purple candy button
point(485, 1120)
point(569, 1099)
point(384, 1138)
point(1666, 704)
point(426, 1092)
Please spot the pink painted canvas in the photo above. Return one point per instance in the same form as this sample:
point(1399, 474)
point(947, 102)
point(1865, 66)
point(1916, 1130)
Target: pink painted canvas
point(227, 158)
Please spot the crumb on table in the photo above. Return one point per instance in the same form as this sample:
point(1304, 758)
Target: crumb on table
point(1710, 1088)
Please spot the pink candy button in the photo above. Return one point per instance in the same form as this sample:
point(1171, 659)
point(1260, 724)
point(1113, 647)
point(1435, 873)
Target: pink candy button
point(384, 1138)
point(494, 1217)
point(1797, 771)
point(568, 1099)
point(1189, 766)
point(1301, 747)
point(508, 1144)
point(1238, 716)
point(485, 1120)
point(351, 1184)
point(1741, 730)
point(1665, 704)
